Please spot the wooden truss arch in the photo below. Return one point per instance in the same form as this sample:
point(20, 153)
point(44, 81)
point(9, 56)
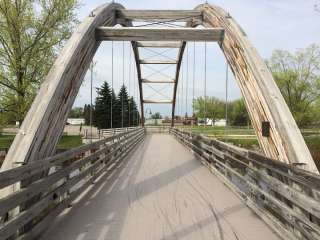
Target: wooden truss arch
point(44, 123)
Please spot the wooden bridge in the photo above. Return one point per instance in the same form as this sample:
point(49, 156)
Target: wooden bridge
point(138, 184)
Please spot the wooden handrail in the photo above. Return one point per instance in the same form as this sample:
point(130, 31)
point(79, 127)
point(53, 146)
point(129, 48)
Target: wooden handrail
point(55, 190)
point(286, 197)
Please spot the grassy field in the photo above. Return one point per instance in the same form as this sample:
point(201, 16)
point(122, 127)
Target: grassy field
point(221, 131)
point(66, 142)
point(5, 141)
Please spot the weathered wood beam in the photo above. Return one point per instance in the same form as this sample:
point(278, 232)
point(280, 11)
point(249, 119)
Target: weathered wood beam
point(159, 34)
point(157, 81)
point(159, 44)
point(44, 123)
point(175, 88)
point(159, 15)
point(261, 94)
point(142, 61)
point(138, 67)
point(158, 101)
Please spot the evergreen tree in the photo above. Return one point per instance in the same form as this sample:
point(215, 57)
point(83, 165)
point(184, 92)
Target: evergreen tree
point(114, 109)
point(102, 114)
point(134, 114)
point(122, 108)
point(86, 113)
point(122, 105)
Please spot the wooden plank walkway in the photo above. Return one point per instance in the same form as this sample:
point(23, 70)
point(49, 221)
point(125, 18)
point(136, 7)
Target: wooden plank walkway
point(160, 192)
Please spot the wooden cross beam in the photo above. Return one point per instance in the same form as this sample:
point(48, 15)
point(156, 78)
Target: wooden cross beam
point(158, 101)
point(159, 15)
point(157, 81)
point(159, 34)
point(159, 44)
point(142, 61)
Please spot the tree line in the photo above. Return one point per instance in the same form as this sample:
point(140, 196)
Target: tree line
point(110, 110)
point(298, 78)
point(215, 109)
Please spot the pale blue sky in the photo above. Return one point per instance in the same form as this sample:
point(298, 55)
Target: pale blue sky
point(270, 24)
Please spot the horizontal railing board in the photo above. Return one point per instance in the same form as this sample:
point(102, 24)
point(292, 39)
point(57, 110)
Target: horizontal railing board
point(99, 160)
point(299, 175)
point(36, 209)
point(25, 171)
point(232, 160)
point(41, 226)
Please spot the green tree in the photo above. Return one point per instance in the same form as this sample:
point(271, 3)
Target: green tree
point(298, 77)
point(114, 109)
point(76, 112)
point(134, 113)
point(209, 107)
point(238, 115)
point(102, 117)
point(32, 32)
point(86, 113)
point(121, 113)
point(156, 115)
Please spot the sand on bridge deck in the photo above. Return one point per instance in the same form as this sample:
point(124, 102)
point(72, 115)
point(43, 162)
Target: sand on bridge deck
point(159, 192)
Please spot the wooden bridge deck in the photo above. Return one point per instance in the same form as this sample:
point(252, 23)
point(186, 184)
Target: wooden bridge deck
point(159, 192)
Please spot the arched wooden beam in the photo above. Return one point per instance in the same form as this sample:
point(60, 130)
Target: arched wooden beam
point(45, 121)
point(263, 99)
point(137, 60)
point(180, 57)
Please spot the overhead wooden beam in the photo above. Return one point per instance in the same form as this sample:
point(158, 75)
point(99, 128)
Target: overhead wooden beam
point(142, 61)
point(159, 34)
point(157, 81)
point(159, 44)
point(158, 101)
point(160, 15)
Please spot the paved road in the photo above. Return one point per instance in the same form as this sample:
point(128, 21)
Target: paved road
point(160, 192)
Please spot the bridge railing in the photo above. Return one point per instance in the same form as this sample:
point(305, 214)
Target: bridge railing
point(48, 186)
point(112, 131)
point(157, 129)
point(286, 197)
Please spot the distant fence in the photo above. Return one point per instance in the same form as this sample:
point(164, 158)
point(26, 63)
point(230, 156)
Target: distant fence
point(46, 187)
point(112, 131)
point(157, 129)
point(286, 197)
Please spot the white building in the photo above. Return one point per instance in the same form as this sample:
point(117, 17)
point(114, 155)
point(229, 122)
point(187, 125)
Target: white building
point(153, 121)
point(211, 122)
point(220, 123)
point(75, 121)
